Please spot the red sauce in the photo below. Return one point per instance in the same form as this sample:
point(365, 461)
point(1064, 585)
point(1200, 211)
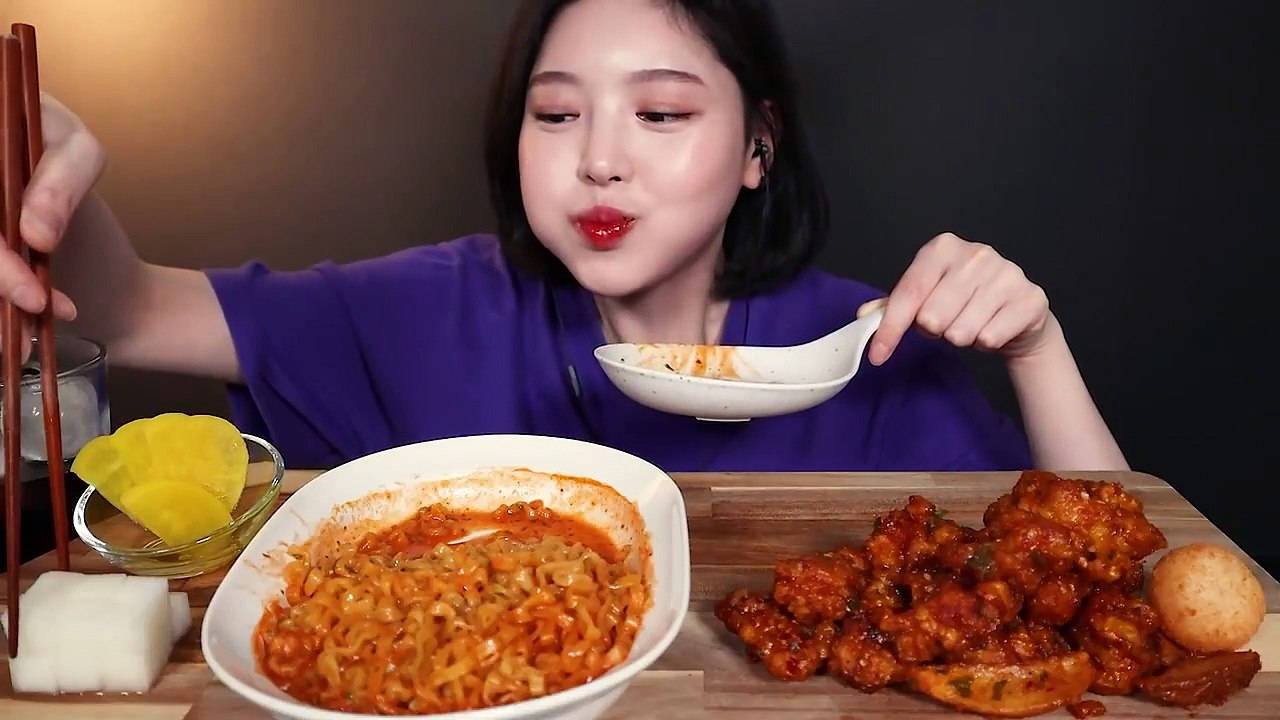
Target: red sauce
point(1087, 709)
point(433, 525)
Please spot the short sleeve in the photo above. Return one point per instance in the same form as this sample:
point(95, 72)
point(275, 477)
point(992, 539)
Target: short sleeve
point(340, 361)
point(936, 417)
point(306, 388)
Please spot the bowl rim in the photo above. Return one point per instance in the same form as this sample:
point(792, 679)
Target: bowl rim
point(617, 677)
point(268, 497)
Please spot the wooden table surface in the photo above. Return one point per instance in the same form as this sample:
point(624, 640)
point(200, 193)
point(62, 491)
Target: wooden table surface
point(739, 524)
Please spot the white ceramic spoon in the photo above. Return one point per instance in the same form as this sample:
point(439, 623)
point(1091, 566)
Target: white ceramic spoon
point(694, 380)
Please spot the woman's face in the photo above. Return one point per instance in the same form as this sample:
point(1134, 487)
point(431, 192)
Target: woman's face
point(633, 147)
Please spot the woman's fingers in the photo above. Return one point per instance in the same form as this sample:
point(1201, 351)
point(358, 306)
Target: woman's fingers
point(72, 162)
point(965, 293)
point(1018, 324)
point(995, 287)
point(64, 308)
point(65, 174)
point(913, 288)
point(964, 279)
point(18, 284)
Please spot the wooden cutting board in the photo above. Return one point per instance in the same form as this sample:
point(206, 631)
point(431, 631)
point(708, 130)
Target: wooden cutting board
point(739, 525)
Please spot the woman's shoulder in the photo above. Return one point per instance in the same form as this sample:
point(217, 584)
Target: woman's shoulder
point(464, 277)
point(467, 270)
point(478, 257)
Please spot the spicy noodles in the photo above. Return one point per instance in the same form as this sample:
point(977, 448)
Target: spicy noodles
point(402, 622)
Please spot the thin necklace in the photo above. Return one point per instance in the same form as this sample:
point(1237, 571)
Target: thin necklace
point(606, 327)
point(611, 335)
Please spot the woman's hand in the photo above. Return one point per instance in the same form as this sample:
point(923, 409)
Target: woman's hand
point(72, 162)
point(969, 295)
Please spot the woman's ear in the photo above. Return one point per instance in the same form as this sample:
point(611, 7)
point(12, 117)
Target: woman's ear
point(761, 154)
point(760, 147)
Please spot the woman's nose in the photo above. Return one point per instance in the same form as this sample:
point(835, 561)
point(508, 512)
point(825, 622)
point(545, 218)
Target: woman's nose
point(604, 158)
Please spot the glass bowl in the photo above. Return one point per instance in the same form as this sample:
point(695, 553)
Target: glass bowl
point(132, 548)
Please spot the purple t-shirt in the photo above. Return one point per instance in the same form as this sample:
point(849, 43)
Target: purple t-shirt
point(443, 340)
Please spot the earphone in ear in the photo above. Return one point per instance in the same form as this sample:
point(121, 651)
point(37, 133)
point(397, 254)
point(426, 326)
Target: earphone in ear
point(761, 150)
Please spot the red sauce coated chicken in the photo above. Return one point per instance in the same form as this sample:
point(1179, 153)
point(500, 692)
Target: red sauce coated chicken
point(1017, 618)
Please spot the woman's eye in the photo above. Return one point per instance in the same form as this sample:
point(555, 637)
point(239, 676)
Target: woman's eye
point(659, 118)
point(554, 118)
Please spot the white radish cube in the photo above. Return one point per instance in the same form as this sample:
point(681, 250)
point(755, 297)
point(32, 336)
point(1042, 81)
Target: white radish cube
point(33, 674)
point(39, 611)
point(179, 616)
point(133, 640)
point(83, 632)
point(52, 584)
point(30, 671)
point(39, 618)
point(88, 633)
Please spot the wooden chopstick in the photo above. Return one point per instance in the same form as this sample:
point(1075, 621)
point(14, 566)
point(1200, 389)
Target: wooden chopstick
point(40, 265)
point(10, 123)
point(20, 151)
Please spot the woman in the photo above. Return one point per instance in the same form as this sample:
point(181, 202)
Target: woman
point(652, 183)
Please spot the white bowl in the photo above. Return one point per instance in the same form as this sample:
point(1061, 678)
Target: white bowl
point(255, 578)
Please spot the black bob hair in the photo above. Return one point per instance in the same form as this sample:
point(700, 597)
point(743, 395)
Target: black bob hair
point(772, 232)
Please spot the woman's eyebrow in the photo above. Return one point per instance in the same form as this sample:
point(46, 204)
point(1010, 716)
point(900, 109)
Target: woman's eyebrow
point(660, 74)
point(552, 77)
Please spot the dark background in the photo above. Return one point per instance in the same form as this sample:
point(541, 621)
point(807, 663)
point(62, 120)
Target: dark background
point(1119, 151)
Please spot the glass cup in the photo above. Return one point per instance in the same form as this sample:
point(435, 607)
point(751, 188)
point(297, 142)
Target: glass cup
point(83, 406)
point(82, 401)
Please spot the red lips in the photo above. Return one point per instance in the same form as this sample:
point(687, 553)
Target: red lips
point(603, 226)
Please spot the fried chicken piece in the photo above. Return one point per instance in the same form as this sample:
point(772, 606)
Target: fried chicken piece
point(952, 619)
point(1019, 643)
point(1131, 578)
point(1057, 600)
point(910, 538)
point(918, 636)
point(1170, 652)
point(860, 658)
point(1000, 600)
point(882, 597)
point(1203, 680)
point(788, 649)
point(1121, 634)
point(1030, 548)
point(1116, 534)
point(917, 586)
point(1020, 548)
point(820, 587)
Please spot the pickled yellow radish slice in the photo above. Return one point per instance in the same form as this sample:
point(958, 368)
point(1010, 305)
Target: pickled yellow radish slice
point(177, 512)
point(200, 450)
